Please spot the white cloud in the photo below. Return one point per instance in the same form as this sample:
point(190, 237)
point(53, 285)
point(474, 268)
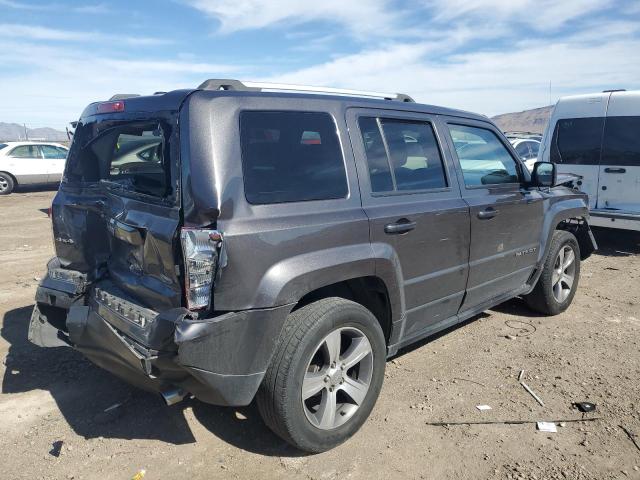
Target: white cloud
point(489, 82)
point(67, 79)
point(23, 6)
point(35, 32)
point(357, 17)
point(538, 14)
point(96, 9)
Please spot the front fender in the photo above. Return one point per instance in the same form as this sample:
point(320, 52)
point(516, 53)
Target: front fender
point(560, 207)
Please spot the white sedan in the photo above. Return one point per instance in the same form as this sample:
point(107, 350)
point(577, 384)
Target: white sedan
point(30, 163)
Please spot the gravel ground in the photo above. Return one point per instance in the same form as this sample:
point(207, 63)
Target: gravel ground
point(61, 417)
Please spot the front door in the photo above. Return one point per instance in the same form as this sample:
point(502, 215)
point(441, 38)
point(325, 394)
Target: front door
point(506, 220)
point(415, 212)
point(28, 165)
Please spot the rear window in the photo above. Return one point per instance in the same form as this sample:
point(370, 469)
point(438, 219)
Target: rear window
point(291, 157)
point(132, 156)
point(622, 141)
point(576, 141)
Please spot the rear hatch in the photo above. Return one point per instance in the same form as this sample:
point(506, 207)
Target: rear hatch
point(117, 215)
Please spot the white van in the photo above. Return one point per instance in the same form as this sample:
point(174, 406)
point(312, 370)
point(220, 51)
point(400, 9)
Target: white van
point(598, 137)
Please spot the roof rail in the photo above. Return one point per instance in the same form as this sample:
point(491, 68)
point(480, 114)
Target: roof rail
point(613, 90)
point(122, 96)
point(237, 85)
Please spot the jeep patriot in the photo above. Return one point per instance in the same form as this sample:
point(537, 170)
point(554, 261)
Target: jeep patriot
point(246, 241)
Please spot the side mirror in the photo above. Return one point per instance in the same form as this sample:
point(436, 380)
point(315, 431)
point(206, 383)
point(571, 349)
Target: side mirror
point(544, 174)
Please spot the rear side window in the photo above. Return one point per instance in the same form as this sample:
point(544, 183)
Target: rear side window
point(2, 145)
point(483, 157)
point(576, 141)
point(26, 151)
point(291, 157)
point(52, 152)
point(622, 141)
point(402, 155)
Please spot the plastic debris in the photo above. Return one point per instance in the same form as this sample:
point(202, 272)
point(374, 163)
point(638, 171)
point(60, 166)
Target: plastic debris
point(585, 407)
point(547, 427)
point(140, 475)
point(482, 408)
point(533, 394)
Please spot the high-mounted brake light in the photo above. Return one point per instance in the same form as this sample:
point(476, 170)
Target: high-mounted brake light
point(110, 107)
point(201, 250)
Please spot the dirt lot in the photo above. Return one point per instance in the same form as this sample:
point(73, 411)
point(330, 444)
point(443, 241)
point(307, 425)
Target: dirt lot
point(53, 423)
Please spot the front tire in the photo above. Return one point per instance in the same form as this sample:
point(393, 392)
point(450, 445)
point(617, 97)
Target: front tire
point(558, 282)
point(325, 375)
point(6, 183)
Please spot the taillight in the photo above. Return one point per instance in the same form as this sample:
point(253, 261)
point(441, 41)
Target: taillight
point(110, 107)
point(201, 250)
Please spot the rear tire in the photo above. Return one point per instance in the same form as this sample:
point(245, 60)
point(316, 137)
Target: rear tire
point(558, 282)
point(7, 183)
point(304, 362)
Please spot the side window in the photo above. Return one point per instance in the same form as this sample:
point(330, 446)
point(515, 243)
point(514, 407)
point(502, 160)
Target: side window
point(622, 141)
point(51, 152)
point(413, 161)
point(25, 151)
point(576, 141)
point(483, 158)
point(291, 157)
point(377, 160)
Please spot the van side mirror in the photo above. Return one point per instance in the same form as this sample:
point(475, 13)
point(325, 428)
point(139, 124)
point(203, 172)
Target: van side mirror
point(544, 174)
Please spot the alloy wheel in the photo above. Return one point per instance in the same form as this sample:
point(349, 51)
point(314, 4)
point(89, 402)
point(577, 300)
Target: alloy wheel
point(564, 272)
point(337, 378)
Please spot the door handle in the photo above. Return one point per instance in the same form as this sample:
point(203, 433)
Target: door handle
point(615, 170)
point(487, 214)
point(401, 226)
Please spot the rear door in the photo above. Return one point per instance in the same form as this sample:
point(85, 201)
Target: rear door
point(27, 164)
point(117, 213)
point(620, 164)
point(414, 207)
point(56, 158)
point(506, 219)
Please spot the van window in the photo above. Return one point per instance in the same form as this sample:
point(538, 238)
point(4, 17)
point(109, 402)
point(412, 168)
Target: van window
point(291, 157)
point(576, 141)
point(413, 161)
point(483, 157)
point(621, 141)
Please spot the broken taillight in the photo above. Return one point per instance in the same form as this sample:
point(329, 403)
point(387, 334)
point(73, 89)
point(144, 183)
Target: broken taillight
point(201, 250)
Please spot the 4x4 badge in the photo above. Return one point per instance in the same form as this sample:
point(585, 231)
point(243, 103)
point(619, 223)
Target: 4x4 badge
point(526, 252)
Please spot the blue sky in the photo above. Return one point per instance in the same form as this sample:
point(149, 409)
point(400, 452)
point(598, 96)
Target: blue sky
point(488, 56)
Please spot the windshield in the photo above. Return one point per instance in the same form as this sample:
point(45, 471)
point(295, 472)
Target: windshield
point(131, 156)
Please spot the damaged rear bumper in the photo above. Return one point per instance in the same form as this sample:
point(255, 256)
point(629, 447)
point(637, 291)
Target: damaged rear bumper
point(220, 360)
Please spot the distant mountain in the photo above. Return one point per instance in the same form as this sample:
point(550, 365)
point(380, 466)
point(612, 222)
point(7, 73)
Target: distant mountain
point(527, 121)
point(14, 132)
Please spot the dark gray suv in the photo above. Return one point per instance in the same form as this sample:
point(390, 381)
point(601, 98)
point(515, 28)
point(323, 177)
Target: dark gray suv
point(236, 242)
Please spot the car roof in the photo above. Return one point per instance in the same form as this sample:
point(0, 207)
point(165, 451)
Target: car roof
point(172, 101)
point(33, 142)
